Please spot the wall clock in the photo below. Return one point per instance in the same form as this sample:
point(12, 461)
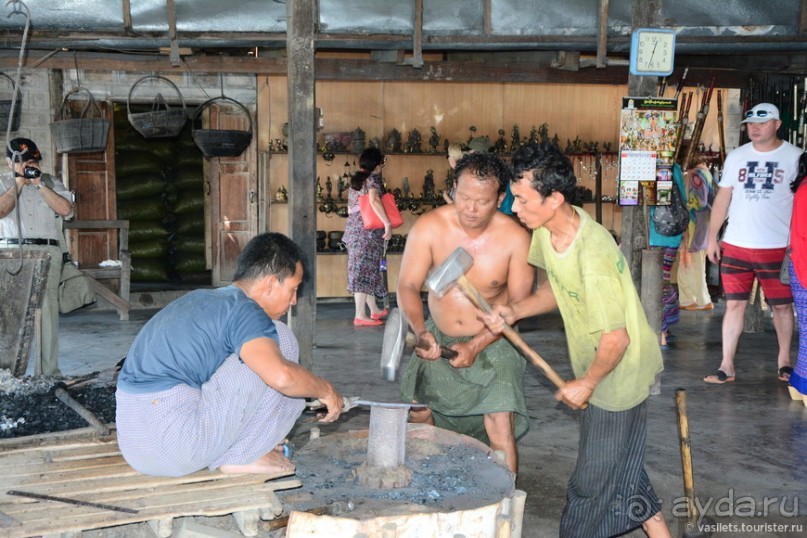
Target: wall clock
point(652, 51)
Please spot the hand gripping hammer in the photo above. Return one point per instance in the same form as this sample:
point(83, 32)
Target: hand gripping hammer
point(452, 272)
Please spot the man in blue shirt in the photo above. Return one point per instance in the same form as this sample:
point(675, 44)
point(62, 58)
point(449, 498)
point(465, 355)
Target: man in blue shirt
point(212, 381)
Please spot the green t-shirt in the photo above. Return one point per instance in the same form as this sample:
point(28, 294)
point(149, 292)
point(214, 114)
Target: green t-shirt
point(595, 294)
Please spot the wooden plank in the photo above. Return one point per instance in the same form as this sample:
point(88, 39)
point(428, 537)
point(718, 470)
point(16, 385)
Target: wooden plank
point(95, 464)
point(64, 451)
point(86, 472)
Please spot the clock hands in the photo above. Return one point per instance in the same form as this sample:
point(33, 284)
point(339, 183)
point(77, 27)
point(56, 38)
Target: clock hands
point(652, 53)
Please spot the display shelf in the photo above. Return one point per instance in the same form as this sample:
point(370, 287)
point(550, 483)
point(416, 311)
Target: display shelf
point(400, 168)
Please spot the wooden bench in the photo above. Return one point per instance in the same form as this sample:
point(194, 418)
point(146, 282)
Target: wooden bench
point(122, 274)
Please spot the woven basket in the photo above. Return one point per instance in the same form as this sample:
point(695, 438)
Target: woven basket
point(6, 105)
point(86, 134)
point(222, 142)
point(163, 121)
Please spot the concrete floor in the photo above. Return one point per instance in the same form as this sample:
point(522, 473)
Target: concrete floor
point(748, 438)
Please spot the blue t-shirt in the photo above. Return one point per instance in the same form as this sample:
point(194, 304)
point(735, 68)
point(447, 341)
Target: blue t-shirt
point(187, 341)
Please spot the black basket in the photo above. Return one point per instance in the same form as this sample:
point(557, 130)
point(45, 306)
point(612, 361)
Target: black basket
point(85, 134)
point(163, 121)
point(5, 107)
point(222, 142)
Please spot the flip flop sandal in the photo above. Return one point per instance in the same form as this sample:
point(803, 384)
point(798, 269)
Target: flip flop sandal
point(784, 373)
point(718, 378)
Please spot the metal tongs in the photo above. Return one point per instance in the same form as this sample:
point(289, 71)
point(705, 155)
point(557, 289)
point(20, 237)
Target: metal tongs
point(356, 401)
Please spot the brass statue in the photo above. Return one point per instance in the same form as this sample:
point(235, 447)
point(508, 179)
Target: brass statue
point(357, 141)
point(428, 185)
point(394, 141)
point(434, 139)
point(413, 142)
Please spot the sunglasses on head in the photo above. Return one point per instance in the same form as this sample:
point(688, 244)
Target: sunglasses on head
point(758, 114)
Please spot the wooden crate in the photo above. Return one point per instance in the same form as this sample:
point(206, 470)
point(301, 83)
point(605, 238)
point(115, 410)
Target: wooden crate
point(93, 470)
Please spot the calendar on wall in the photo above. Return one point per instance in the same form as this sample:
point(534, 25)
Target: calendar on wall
point(647, 134)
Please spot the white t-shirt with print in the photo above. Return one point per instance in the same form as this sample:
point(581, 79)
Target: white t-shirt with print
point(761, 200)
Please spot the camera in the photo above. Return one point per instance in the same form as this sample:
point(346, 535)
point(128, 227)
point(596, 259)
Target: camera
point(29, 172)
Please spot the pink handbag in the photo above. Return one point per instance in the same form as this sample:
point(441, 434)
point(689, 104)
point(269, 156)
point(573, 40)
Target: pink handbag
point(369, 216)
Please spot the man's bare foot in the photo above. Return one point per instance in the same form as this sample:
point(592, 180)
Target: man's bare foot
point(270, 463)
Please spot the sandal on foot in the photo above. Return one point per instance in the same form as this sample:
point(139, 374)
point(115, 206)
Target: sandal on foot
point(784, 373)
point(380, 315)
point(718, 378)
point(367, 322)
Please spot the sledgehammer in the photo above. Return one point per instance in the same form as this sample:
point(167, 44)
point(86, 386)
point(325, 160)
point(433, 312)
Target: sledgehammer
point(452, 272)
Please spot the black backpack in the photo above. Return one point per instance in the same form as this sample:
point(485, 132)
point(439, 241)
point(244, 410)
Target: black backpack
point(672, 219)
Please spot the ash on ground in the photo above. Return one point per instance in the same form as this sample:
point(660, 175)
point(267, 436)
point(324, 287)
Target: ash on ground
point(444, 478)
point(28, 406)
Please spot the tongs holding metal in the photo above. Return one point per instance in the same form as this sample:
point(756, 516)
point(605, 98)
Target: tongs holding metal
point(356, 401)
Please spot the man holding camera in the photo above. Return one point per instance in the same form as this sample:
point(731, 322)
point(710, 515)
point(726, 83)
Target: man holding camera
point(40, 199)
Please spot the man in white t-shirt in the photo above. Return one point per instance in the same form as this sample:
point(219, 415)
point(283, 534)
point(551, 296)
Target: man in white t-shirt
point(755, 196)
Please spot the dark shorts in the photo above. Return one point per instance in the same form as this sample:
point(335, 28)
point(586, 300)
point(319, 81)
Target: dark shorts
point(739, 266)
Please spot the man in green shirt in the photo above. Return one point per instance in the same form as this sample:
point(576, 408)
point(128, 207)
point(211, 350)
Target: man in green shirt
point(614, 352)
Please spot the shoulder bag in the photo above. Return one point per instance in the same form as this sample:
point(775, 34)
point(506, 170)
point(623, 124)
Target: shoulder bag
point(369, 216)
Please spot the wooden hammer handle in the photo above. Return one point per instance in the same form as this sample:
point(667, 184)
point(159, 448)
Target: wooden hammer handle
point(476, 298)
point(686, 453)
point(445, 352)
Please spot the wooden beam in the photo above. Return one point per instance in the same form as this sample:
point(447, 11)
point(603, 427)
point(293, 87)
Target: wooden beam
point(302, 19)
point(127, 15)
point(172, 32)
point(417, 37)
point(602, 41)
point(331, 69)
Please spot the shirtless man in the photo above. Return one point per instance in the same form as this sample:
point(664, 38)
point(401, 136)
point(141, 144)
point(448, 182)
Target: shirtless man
point(481, 391)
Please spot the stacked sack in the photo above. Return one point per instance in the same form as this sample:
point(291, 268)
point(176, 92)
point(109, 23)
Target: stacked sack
point(160, 190)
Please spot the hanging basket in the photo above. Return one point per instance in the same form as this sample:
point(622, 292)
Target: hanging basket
point(5, 107)
point(163, 121)
point(222, 142)
point(85, 134)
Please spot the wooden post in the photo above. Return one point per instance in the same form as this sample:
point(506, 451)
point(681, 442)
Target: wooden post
point(301, 28)
point(646, 13)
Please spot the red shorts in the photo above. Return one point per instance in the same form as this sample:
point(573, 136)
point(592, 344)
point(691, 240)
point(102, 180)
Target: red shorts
point(739, 266)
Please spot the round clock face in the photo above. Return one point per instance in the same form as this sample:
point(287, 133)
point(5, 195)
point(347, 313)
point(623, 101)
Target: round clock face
point(652, 52)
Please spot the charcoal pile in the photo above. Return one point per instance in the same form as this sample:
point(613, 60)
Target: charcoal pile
point(29, 406)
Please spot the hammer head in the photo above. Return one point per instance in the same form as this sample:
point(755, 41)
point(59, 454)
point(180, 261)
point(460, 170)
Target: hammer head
point(393, 345)
point(442, 277)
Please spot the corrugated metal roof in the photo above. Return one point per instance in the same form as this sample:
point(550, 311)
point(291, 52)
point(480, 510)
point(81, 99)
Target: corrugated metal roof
point(200, 22)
